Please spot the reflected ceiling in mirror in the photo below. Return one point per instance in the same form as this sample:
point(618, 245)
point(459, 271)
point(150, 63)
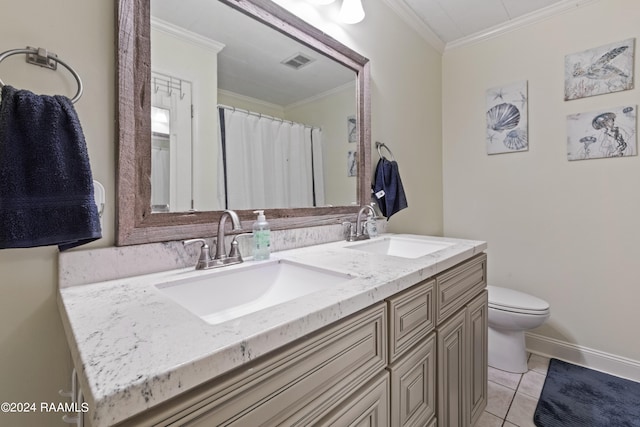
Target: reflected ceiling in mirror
point(251, 55)
point(334, 62)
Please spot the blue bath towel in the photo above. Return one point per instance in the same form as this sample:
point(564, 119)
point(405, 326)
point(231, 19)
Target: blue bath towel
point(46, 187)
point(387, 188)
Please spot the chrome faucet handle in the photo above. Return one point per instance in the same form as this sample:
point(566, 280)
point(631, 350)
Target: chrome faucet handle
point(361, 231)
point(234, 253)
point(349, 235)
point(203, 260)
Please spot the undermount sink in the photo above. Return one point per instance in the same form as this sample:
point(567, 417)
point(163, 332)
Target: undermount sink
point(232, 292)
point(403, 247)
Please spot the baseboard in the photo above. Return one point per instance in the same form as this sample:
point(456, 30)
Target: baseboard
point(583, 356)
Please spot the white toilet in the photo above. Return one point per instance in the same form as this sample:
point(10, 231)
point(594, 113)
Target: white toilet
point(511, 313)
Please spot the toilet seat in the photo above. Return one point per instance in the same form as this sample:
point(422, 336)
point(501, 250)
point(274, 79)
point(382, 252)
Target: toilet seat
point(516, 302)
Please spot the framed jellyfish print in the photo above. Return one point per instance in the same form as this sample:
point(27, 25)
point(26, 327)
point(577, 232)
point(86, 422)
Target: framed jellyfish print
point(604, 69)
point(507, 119)
point(602, 134)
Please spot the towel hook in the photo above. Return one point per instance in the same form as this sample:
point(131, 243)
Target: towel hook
point(380, 145)
point(45, 59)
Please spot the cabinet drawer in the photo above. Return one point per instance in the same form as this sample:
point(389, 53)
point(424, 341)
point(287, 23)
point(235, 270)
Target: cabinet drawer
point(293, 386)
point(411, 318)
point(369, 407)
point(413, 386)
point(457, 286)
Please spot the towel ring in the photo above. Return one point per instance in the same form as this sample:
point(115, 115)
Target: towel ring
point(380, 145)
point(43, 58)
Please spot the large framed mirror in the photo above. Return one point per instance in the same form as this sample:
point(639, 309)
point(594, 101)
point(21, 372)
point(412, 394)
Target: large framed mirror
point(187, 88)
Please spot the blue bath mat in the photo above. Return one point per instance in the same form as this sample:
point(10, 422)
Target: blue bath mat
point(574, 396)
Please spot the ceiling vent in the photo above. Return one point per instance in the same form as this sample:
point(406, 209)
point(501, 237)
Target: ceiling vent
point(298, 61)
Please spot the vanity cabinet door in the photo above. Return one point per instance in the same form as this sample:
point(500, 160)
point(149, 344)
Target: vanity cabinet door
point(413, 386)
point(411, 318)
point(458, 285)
point(369, 407)
point(462, 365)
point(453, 371)
point(477, 312)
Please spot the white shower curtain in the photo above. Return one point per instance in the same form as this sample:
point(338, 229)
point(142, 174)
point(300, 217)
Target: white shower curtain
point(268, 163)
point(318, 166)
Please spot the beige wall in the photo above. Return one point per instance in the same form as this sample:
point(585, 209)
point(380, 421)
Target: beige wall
point(34, 360)
point(564, 231)
point(406, 103)
point(330, 112)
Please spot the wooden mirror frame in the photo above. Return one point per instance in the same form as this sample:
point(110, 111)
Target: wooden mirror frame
point(135, 224)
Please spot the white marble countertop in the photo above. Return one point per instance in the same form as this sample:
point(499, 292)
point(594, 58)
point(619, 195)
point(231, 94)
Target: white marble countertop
point(134, 347)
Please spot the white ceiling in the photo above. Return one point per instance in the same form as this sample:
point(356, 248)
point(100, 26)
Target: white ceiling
point(454, 19)
point(250, 62)
point(448, 23)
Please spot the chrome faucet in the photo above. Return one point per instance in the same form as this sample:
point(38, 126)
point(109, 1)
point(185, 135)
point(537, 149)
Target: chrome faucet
point(235, 222)
point(360, 231)
point(206, 261)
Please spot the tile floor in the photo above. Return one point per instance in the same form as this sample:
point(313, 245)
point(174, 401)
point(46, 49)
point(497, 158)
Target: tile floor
point(512, 397)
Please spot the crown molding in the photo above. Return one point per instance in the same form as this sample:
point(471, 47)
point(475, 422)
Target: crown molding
point(341, 88)
point(185, 35)
point(519, 22)
point(411, 18)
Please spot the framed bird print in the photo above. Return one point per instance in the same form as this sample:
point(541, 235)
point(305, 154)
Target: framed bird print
point(604, 69)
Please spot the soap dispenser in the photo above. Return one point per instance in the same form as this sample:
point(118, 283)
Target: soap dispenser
point(371, 225)
point(261, 237)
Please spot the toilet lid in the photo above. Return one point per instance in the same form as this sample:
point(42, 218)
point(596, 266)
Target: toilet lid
point(510, 300)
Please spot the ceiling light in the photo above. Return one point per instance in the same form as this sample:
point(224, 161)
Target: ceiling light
point(351, 12)
point(321, 1)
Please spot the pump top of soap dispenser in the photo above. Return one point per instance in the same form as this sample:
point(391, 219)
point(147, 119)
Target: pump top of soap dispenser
point(261, 217)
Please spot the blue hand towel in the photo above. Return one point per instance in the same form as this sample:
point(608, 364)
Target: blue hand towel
point(388, 189)
point(46, 187)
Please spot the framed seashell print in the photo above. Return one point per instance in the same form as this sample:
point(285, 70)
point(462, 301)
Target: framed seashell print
point(507, 118)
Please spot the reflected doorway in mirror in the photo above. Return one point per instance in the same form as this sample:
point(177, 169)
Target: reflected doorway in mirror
point(171, 143)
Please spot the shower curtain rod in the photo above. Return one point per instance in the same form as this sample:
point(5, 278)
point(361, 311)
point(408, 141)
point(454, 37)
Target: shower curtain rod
point(260, 115)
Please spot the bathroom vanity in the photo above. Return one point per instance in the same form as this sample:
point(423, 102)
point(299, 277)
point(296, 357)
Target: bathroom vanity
point(399, 340)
